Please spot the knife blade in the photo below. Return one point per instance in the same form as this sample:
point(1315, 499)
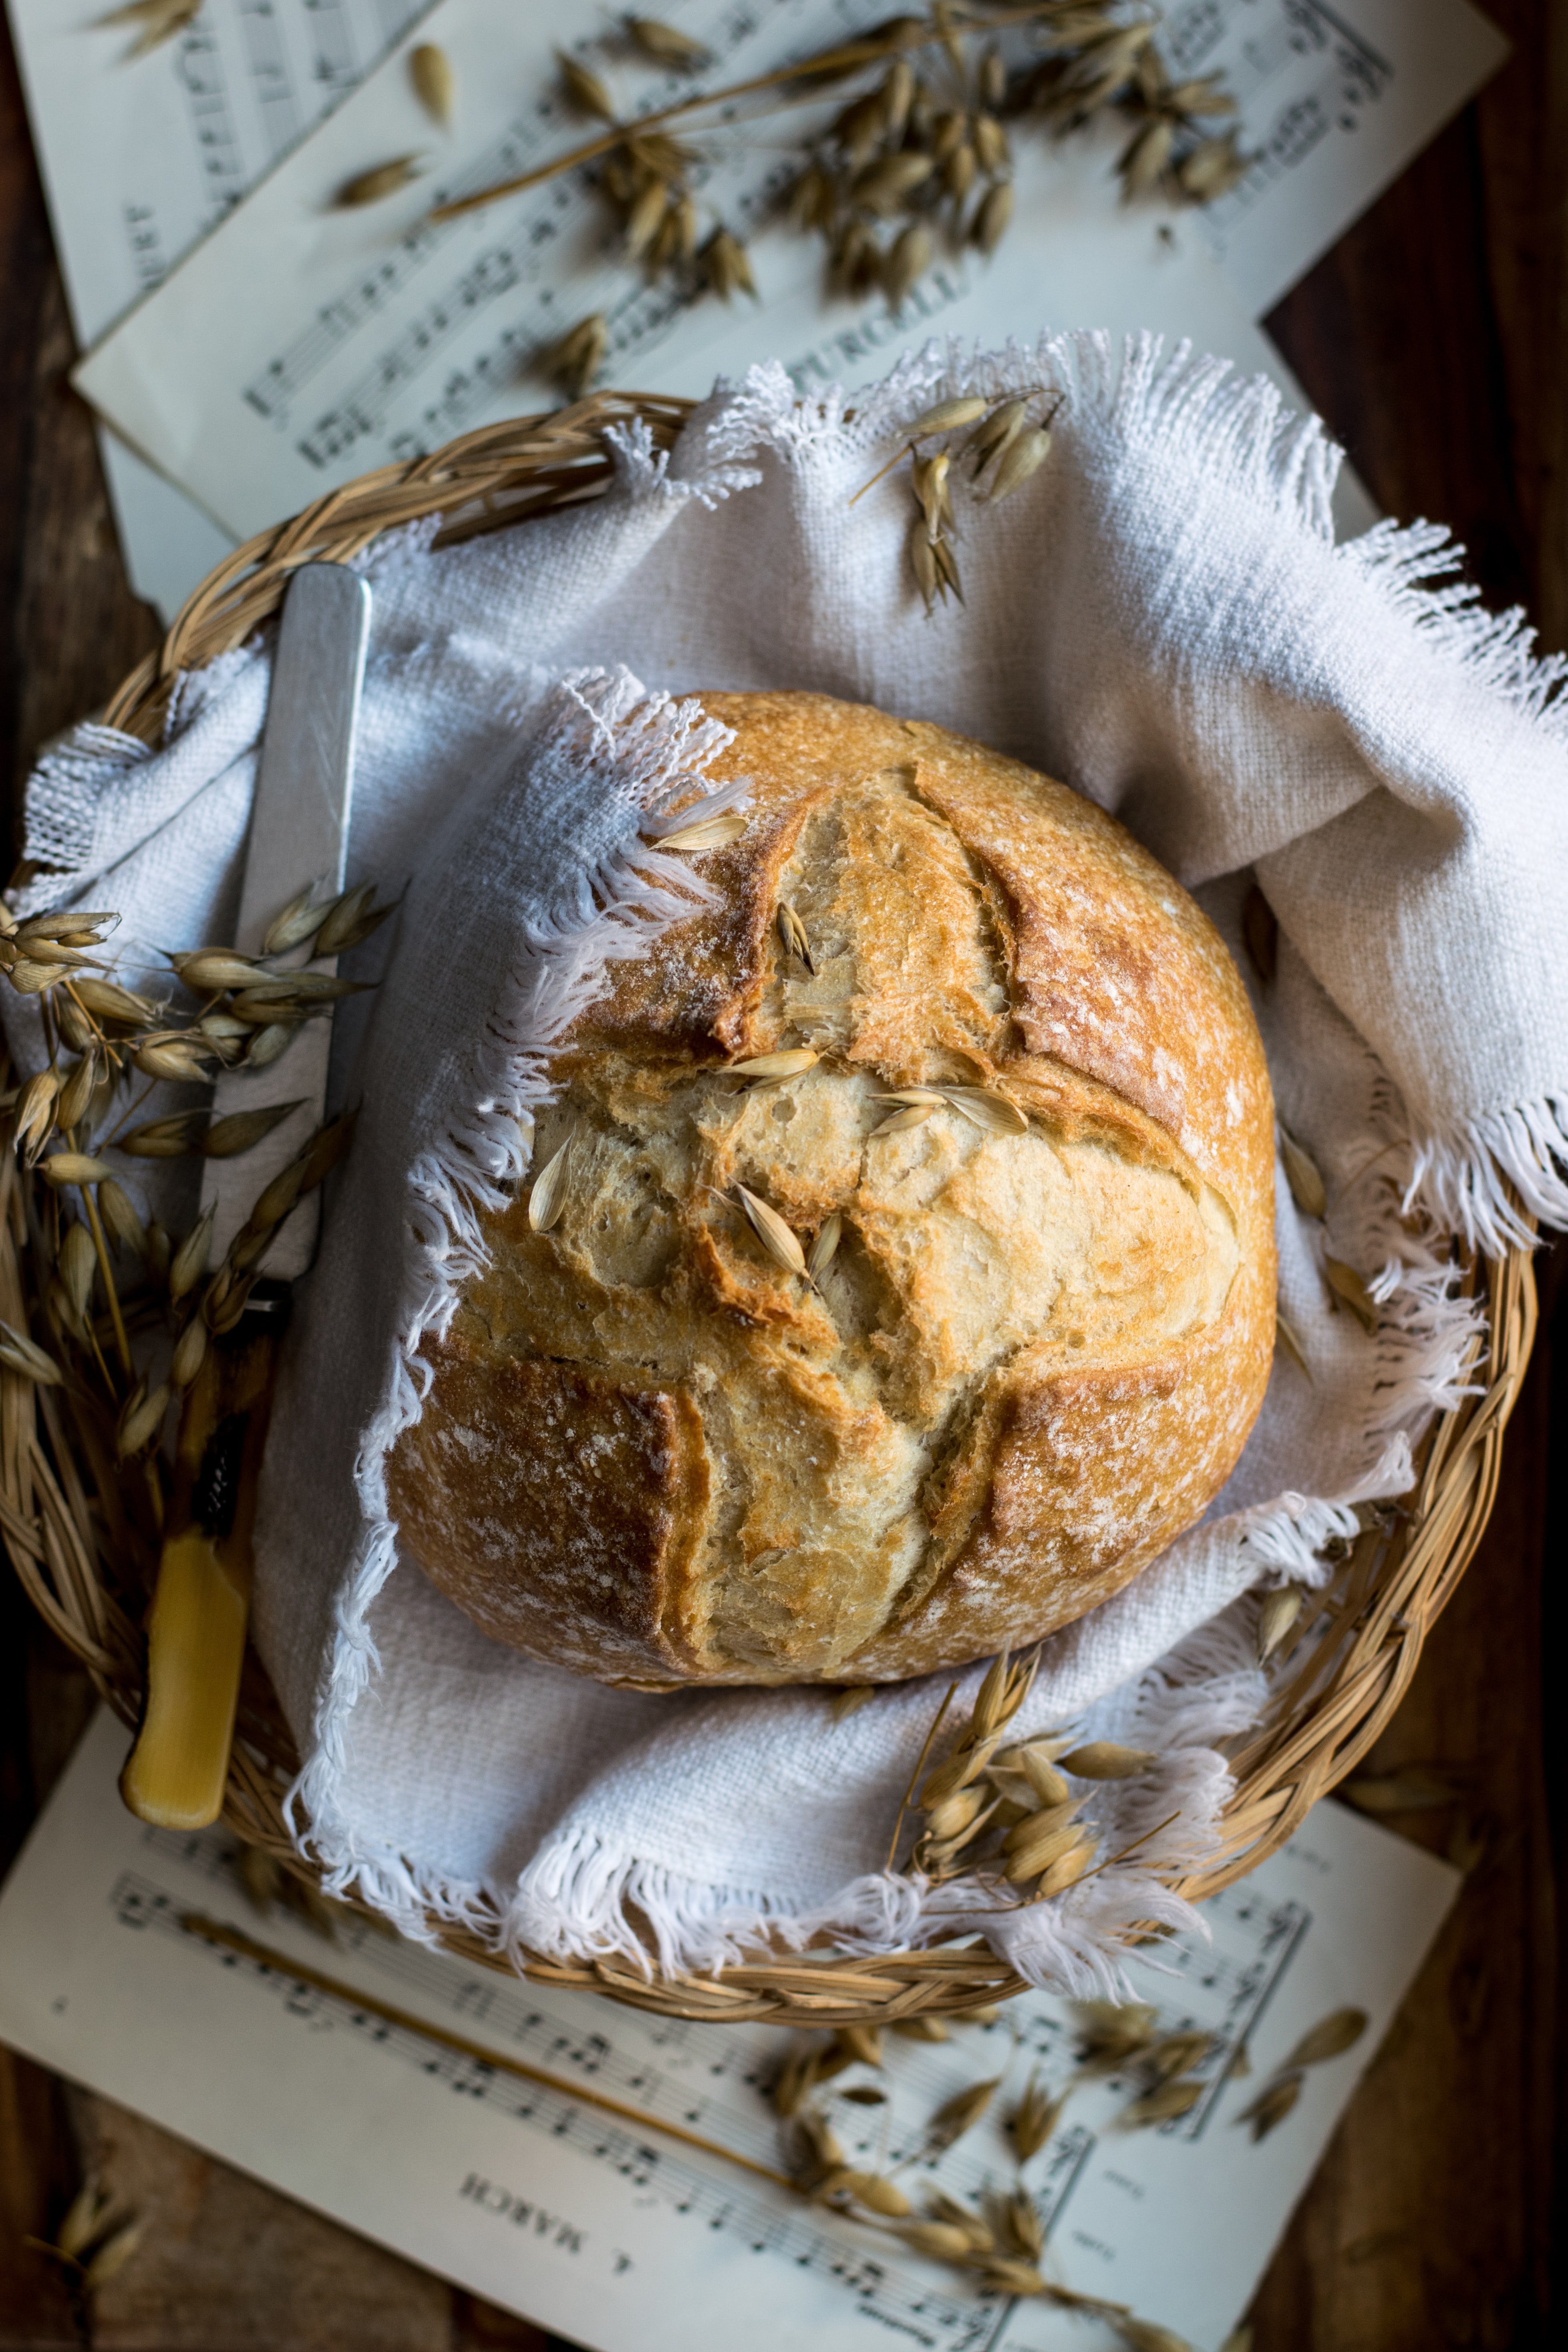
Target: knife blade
point(175, 1774)
point(298, 835)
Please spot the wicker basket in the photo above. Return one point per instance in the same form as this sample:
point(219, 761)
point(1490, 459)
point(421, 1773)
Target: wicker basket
point(90, 1580)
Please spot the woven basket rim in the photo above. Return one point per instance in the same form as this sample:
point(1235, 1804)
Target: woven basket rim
point(1371, 1621)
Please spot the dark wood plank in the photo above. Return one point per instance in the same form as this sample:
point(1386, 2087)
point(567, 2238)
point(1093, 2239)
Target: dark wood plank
point(1429, 2222)
point(1433, 338)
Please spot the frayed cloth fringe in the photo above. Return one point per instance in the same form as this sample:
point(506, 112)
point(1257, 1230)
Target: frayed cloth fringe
point(577, 1897)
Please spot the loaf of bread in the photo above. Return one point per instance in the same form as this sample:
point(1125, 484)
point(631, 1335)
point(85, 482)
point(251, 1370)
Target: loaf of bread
point(655, 1454)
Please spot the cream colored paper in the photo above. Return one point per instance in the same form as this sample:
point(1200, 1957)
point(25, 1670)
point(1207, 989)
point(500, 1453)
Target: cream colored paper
point(141, 160)
point(141, 157)
point(1335, 101)
point(303, 344)
point(628, 2241)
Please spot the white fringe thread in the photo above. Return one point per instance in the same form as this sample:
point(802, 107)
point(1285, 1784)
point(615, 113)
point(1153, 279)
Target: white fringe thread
point(578, 1899)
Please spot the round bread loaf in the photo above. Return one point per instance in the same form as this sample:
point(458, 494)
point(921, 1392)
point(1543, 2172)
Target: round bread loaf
point(655, 1454)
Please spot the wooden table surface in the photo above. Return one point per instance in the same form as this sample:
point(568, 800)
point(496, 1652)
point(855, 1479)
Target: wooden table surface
point(1434, 341)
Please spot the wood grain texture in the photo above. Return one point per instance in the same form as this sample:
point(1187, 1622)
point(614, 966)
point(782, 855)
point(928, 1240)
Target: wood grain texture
point(1435, 339)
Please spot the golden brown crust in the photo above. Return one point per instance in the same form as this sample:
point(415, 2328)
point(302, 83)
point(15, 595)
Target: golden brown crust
point(563, 1508)
point(650, 1454)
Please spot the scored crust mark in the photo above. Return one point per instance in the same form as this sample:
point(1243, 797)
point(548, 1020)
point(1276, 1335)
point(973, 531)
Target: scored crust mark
point(566, 1503)
point(873, 1476)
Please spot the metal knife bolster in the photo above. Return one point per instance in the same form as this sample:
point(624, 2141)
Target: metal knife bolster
point(299, 834)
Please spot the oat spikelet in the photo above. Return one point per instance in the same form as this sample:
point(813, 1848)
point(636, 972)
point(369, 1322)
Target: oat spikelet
point(1107, 1760)
point(547, 1197)
point(141, 1420)
point(381, 181)
point(113, 2255)
point(583, 88)
point(792, 931)
point(35, 1109)
point(1329, 2038)
point(78, 1266)
point(1039, 1840)
point(1013, 2276)
point(989, 1110)
point(121, 1222)
point(961, 2112)
point(227, 1137)
point(946, 416)
point(1166, 2104)
point(727, 266)
point(575, 362)
point(710, 832)
point(902, 1121)
point(299, 920)
point(1178, 2053)
point(861, 2043)
point(824, 1250)
point(349, 920)
point(1272, 2104)
point(1287, 1339)
point(1033, 2120)
point(1034, 1761)
point(189, 1350)
point(1020, 2226)
point(999, 431)
point(62, 1168)
point(177, 1057)
point(908, 257)
point(665, 46)
point(1115, 2031)
point(876, 2195)
point(975, 2227)
point(773, 1233)
point(24, 1357)
point(207, 969)
point(1019, 462)
point(941, 2241)
point(1346, 1284)
point(790, 1063)
point(848, 1702)
point(994, 218)
point(435, 83)
point(795, 2080)
point(1307, 1187)
point(1276, 1617)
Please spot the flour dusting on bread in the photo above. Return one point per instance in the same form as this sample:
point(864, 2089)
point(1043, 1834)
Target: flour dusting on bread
point(653, 1453)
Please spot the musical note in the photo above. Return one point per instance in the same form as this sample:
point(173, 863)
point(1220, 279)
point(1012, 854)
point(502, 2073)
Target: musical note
point(692, 2188)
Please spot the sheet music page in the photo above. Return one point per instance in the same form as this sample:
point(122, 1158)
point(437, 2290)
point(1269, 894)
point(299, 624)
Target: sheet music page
point(596, 2222)
point(301, 345)
point(1335, 101)
point(141, 157)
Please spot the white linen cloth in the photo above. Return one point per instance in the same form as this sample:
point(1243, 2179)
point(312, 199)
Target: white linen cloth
point(1160, 618)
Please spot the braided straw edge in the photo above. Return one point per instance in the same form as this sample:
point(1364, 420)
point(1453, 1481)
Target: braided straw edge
point(1368, 1626)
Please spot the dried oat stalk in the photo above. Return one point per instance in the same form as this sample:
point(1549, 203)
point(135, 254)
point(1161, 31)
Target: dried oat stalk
point(914, 161)
point(98, 1274)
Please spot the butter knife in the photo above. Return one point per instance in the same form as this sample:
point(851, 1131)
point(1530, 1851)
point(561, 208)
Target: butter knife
point(177, 1772)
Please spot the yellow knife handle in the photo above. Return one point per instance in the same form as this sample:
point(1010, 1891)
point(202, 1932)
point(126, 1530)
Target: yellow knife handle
point(175, 1774)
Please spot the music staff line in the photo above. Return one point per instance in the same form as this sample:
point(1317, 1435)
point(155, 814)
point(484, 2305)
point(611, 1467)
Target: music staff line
point(1240, 1983)
point(360, 410)
point(471, 2071)
point(509, 2017)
